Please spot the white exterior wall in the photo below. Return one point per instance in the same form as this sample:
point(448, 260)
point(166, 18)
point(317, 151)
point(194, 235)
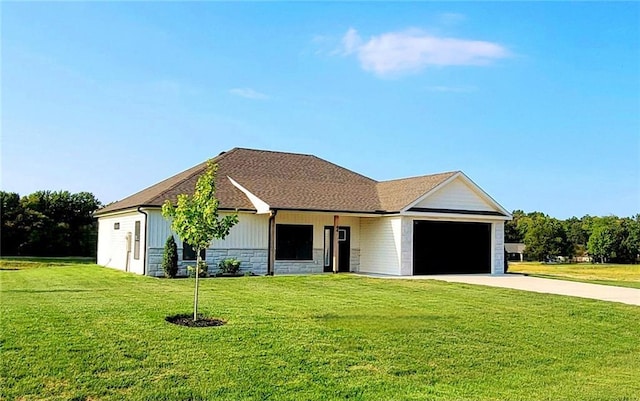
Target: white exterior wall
point(455, 195)
point(112, 243)
point(248, 242)
point(250, 233)
point(381, 245)
point(319, 221)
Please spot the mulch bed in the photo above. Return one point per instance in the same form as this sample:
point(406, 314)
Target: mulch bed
point(187, 320)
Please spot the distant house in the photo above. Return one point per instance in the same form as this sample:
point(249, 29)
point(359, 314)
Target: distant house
point(301, 214)
point(515, 251)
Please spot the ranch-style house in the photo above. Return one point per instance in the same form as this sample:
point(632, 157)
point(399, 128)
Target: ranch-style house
point(302, 214)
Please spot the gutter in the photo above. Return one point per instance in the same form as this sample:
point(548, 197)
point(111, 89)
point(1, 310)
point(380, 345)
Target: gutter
point(146, 234)
point(271, 252)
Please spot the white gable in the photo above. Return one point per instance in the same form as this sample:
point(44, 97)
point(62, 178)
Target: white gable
point(455, 195)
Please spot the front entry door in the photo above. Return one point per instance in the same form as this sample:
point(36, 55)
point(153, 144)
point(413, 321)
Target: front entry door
point(344, 246)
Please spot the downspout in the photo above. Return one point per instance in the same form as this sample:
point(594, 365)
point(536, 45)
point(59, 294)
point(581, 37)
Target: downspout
point(271, 251)
point(146, 233)
point(336, 244)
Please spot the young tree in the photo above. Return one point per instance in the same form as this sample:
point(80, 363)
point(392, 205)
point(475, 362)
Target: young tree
point(195, 219)
point(170, 258)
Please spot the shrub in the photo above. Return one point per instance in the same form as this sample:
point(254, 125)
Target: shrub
point(203, 269)
point(170, 258)
point(230, 265)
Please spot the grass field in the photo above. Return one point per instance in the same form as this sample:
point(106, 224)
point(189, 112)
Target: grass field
point(81, 332)
point(609, 274)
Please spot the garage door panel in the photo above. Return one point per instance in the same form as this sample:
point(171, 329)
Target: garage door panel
point(443, 247)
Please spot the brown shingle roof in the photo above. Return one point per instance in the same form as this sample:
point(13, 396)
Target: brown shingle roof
point(288, 181)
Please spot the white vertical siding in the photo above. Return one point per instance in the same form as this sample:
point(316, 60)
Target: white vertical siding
point(112, 243)
point(251, 232)
point(381, 245)
point(159, 229)
point(455, 195)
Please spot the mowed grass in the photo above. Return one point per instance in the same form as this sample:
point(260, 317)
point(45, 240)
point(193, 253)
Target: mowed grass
point(89, 333)
point(609, 274)
point(27, 262)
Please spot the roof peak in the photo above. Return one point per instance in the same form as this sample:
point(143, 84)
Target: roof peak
point(450, 173)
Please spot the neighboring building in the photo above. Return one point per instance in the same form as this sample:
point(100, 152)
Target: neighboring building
point(515, 251)
point(291, 208)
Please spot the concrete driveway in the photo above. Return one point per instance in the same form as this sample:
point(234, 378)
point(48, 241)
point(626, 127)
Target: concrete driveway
point(610, 293)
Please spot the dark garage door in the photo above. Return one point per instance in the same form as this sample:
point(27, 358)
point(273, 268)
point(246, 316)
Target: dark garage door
point(443, 247)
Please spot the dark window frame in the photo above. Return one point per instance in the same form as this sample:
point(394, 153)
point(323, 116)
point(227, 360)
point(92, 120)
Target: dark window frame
point(136, 240)
point(294, 242)
point(188, 253)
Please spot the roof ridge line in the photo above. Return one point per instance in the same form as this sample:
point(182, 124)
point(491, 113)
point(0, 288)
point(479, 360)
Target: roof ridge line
point(271, 151)
point(215, 159)
point(344, 168)
point(421, 176)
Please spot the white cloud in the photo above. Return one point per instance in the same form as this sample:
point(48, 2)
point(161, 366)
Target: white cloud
point(351, 41)
point(395, 53)
point(248, 93)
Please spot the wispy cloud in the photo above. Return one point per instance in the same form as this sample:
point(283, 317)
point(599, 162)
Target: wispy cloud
point(248, 93)
point(452, 89)
point(395, 53)
point(449, 19)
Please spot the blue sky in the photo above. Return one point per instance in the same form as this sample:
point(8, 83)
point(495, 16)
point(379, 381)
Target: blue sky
point(539, 103)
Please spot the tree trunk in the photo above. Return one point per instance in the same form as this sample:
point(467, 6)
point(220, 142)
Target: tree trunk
point(195, 292)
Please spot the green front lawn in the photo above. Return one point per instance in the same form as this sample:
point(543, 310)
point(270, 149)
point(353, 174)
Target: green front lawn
point(609, 274)
point(88, 333)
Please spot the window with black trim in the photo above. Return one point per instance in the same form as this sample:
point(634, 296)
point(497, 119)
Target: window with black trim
point(294, 242)
point(136, 240)
point(188, 253)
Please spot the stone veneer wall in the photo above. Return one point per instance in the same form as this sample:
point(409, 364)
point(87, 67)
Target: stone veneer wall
point(251, 260)
point(354, 260)
point(498, 267)
point(301, 266)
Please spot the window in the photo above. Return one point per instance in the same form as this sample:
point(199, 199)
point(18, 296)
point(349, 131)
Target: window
point(136, 241)
point(116, 226)
point(294, 242)
point(342, 234)
point(327, 246)
point(188, 253)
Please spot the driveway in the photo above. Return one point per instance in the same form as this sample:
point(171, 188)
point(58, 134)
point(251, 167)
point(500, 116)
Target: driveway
point(610, 293)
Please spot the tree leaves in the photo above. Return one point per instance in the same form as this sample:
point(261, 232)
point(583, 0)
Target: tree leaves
point(49, 223)
point(195, 218)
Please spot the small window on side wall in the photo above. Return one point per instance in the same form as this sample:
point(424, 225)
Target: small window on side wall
point(116, 226)
point(294, 242)
point(188, 253)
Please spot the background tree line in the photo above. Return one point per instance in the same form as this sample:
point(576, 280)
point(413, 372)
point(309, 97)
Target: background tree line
point(604, 239)
point(48, 223)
